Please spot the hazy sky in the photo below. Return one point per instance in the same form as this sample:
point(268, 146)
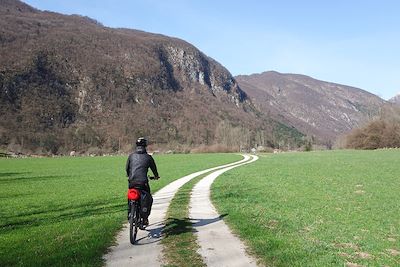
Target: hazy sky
point(352, 42)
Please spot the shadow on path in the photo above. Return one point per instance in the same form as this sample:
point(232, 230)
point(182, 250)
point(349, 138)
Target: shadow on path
point(175, 226)
point(203, 222)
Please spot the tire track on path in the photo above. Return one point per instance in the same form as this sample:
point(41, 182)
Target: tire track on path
point(148, 250)
point(218, 246)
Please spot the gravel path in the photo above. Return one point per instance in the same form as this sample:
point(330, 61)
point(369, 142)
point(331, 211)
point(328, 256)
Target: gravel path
point(147, 251)
point(218, 246)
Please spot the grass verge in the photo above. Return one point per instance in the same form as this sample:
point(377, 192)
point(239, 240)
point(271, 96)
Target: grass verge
point(66, 211)
point(179, 244)
point(338, 208)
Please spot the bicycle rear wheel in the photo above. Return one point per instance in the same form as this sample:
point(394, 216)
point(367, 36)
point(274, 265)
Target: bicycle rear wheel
point(133, 223)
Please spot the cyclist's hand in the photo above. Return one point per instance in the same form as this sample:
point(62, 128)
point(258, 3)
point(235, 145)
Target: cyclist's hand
point(157, 177)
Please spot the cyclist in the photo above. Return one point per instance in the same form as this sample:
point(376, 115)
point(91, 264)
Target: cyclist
point(137, 167)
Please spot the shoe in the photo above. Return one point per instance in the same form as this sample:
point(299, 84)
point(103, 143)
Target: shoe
point(143, 225)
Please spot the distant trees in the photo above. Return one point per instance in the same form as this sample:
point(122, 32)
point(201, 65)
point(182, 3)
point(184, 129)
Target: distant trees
point(240, 138)
point(234, 137)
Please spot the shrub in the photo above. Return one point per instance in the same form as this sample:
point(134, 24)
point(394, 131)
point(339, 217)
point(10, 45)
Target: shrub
point(376, 134)
point(308, 146)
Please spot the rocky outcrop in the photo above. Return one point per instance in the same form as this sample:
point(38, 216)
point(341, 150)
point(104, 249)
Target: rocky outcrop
point(195, 67)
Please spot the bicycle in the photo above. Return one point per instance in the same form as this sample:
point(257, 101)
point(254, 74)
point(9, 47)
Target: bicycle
point(135, 218)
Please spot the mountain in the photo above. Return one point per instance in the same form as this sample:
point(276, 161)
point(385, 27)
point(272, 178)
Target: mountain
point(317, 108)
point(69, 83)
point(395, 99)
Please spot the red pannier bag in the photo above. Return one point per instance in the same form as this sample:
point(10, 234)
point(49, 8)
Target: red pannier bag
point(133, 194)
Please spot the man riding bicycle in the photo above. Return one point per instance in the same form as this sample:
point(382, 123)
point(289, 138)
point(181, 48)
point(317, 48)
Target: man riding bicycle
point(137, 167)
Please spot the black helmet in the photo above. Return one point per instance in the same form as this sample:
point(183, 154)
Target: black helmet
point(141, 141)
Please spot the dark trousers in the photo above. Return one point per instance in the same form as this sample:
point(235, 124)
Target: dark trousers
point(140, 186)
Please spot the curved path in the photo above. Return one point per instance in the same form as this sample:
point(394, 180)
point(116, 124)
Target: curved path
point(218, 246)
point(147, 251)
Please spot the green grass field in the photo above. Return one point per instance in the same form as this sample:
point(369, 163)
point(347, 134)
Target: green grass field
point(334, 208)
point(66, 211)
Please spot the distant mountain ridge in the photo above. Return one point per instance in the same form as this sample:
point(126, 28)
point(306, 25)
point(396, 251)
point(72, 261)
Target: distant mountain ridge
point(395, 99)
point(321, 109)
point(67, 82)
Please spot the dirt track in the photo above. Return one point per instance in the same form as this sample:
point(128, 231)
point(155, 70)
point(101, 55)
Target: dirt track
point(147, 251)
point(218, 246)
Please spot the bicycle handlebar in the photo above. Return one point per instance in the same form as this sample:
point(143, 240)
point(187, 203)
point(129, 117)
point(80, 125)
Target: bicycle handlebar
point(153, 178)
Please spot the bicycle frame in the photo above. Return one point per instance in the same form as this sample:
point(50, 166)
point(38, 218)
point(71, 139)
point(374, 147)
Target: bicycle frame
point(135, 219)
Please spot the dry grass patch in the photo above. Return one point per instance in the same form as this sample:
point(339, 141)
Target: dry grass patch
point(393, 252)
point(363, 255)
point(352, 264)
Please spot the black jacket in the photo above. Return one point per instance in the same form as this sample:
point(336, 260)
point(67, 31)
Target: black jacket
point(138, 164)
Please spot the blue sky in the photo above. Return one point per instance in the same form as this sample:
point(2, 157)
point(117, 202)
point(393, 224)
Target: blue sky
point(350, 42)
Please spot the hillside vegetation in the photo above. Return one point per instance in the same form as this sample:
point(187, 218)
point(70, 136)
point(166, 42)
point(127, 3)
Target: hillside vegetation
point(320, 109)
point(69, 83)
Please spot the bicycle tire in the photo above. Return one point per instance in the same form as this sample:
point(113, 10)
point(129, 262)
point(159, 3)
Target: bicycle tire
point(133, 223)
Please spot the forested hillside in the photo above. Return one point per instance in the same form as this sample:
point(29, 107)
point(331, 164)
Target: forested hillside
point(69, 83)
